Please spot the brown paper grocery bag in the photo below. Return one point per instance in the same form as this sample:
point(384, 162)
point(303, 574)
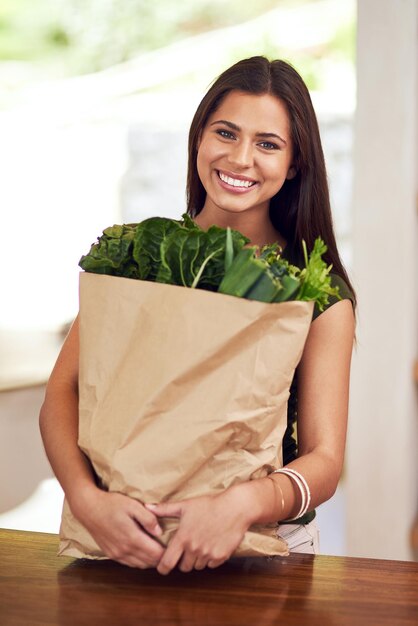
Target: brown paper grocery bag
point(183, 392)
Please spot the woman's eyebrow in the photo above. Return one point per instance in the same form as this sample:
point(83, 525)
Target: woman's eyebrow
point(237, 128)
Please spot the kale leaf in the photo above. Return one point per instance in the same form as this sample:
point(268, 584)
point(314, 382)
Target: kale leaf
point(112, 254)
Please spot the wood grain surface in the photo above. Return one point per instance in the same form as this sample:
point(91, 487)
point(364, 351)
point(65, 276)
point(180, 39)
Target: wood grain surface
point(37, 587)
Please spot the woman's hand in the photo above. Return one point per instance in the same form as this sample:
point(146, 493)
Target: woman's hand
point(121, 527)
point(210, 529)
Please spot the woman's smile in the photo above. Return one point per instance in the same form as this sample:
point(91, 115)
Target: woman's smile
point(235, 183)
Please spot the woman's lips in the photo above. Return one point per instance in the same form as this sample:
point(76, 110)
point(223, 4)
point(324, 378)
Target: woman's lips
point(237, 188)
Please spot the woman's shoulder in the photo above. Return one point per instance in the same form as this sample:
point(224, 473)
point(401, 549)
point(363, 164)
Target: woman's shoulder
point(294, 256)
point(344, 291)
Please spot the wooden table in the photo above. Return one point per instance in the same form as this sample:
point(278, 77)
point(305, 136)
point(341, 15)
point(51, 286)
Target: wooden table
point(37, 587)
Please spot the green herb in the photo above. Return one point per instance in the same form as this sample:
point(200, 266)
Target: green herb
point(315, 276)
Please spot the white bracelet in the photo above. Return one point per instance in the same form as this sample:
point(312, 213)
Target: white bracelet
point(302, 491)
point(291, 471)
point(302, 486)
point(305, 484)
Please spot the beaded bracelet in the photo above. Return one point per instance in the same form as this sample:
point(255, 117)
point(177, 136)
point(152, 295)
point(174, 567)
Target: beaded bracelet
point(303, 487)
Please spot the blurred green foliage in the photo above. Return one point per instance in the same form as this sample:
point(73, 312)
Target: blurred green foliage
point(89, 35)
point(81, 36)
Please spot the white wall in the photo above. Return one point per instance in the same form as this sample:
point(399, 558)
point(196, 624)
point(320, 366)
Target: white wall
point(382, 467)
point(23, 463)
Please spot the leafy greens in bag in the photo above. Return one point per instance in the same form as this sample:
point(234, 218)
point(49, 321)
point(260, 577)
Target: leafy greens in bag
point(164, 250)
point(178, 252)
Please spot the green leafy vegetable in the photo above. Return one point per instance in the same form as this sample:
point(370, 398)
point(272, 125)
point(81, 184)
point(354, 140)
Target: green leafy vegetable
point(148, 237)
point(179, 252)
point(243, 273)
point(112, 254)
point(182, 255)
point(315, 277)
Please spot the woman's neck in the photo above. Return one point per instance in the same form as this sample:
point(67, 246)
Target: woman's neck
point(259, 231)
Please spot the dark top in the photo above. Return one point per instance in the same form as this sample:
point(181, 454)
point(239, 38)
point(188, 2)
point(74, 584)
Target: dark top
point(290, 448)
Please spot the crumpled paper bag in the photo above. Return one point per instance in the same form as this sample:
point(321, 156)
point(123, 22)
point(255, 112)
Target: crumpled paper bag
point(183, 392)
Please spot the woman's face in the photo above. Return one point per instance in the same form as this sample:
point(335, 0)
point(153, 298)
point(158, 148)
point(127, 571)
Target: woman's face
point(245, 152)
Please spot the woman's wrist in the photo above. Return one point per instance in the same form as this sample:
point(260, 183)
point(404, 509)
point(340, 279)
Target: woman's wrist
point(301, 484)
point(268, 500)
point(80, 498)
point(256, 498)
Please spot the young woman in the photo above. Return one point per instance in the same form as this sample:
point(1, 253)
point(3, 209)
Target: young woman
point(255, 164)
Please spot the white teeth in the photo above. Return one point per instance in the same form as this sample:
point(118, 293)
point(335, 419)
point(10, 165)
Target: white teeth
point(234, 181)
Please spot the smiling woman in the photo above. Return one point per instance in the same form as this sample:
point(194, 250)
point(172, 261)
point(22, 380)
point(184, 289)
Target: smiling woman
point(255, 165)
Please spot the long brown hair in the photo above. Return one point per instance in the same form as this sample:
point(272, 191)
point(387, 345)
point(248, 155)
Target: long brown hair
point(301, 208)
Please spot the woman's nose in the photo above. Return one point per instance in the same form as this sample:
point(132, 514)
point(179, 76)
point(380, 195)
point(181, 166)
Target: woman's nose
point(241, 154)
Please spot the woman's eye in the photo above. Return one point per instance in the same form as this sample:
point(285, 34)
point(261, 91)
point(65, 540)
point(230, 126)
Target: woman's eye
point(225, 133)
point(268, 145)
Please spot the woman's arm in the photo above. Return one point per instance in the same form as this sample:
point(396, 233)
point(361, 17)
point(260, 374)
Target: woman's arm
point(212, 527)
point(112, 519)
point(323, 388)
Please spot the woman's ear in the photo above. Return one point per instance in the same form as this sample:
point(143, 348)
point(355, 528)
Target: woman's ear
point(291, 172)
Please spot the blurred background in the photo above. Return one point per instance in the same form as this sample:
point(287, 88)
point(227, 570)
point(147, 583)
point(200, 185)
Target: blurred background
point(96, 100)
point(96, 97)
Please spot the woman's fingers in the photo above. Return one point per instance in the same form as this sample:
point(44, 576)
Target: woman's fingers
point(170, 558)
point(215, 563)
point(187, 560)
point(188, 557)
point(201, 563)
point(131, 545)
point(147, 519)
point(166, 509)
point(203, 538)
point(137, 563)
point(148, 549)
point(191, 559)
point(121, 526)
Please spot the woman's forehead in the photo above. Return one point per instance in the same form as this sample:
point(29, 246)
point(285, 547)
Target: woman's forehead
point(257, 112)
